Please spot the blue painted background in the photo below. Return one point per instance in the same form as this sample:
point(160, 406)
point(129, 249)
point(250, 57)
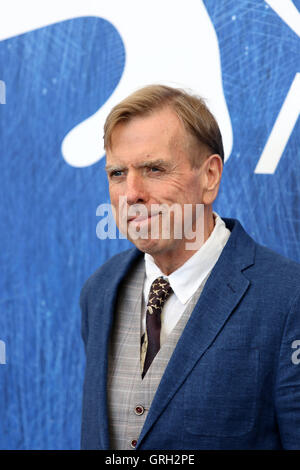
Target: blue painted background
point(260, 57)
point(56, 77)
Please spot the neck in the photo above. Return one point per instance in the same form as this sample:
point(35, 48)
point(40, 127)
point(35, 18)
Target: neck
point(171, 260)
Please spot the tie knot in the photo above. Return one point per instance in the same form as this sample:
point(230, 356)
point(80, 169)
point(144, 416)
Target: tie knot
point(159, 292)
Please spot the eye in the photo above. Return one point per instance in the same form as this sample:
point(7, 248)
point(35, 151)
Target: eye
point(116, 173)
point(155, 169)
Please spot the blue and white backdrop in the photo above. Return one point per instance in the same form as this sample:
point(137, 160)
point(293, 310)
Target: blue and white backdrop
point(63, 65)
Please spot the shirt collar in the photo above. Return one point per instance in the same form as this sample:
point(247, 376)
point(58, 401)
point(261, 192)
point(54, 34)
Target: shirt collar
point(186, 279)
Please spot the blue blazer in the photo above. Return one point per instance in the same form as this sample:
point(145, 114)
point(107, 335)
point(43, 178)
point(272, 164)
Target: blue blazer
point(233, 381)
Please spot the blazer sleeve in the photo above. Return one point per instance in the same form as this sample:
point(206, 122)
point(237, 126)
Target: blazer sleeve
point(287, 387)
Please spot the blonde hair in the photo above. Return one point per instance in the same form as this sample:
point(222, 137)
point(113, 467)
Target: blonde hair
point(190, 109)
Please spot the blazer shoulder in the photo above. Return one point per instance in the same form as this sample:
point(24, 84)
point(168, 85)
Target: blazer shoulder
point(276, 276)
point(276, 268)
point(271, 257)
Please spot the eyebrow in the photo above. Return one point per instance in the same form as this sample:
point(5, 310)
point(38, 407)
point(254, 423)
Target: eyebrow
point(143, 164)
point(109, 168)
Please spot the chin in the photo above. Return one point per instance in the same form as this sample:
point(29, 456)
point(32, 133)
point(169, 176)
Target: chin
point(148, 246)
point(152, 246)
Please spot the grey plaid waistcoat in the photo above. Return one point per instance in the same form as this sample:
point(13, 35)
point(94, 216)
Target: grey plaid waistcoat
point(125, 388)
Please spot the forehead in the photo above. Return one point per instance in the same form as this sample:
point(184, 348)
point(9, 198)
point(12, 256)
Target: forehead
point(158, 131)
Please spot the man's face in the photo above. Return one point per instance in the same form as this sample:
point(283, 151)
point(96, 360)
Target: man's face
point(148, 163)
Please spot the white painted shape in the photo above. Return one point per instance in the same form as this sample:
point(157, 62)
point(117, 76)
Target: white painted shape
point(168, 42)
point(281, 131)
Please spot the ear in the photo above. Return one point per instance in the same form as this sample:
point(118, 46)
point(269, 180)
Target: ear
point(212, 173)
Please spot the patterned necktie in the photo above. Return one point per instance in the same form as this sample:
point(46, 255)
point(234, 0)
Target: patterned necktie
point(159, 292)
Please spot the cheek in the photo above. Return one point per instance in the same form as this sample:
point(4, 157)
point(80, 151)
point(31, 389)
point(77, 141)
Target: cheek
point(194, 190)
point(168, 189)
point(114, 194)
point(184, 191)
point(118, 204)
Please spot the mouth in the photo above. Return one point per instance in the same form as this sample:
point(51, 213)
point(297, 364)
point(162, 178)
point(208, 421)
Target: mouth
point(141, 219)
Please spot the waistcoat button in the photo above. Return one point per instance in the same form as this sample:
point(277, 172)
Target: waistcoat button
point(133, 443)
point(139, 410)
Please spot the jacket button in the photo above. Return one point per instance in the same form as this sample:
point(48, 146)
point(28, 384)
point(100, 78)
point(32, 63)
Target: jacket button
point(133, 443)
point(139, 410)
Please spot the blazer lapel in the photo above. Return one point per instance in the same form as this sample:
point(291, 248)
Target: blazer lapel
point(113, 278)
point(223, 290)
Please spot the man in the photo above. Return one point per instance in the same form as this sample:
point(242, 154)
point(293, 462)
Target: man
point(192, 345)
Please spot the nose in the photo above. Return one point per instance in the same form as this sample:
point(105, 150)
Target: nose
point(135, 189)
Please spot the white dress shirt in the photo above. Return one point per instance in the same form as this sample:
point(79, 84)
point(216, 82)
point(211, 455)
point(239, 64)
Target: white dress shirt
point(186, 279)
